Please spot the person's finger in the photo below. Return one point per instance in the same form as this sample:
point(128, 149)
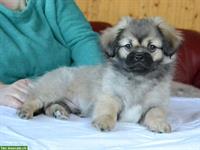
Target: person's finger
point(12, 102)
point(21, 89)
point(2, 85)
point(22, 83)
point(21, 86)
point(20, 96)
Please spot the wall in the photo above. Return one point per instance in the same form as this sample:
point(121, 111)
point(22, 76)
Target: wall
point(180, 13)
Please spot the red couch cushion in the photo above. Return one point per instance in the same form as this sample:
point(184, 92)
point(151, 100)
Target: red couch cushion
point(99, 26)
point(188, 61)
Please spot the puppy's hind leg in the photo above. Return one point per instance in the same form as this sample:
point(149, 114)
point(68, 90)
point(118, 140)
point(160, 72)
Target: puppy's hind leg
point(43, 91)
point(105, 112)
point(58, 110)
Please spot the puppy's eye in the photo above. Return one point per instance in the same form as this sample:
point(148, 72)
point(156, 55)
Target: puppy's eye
point(128, 46)
point(152, 47)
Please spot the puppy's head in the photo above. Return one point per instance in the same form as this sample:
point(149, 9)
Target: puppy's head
point(141, 45)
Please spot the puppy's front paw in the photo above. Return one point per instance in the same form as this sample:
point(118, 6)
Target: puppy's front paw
point(104, 123)
point(25, 113)
point(159, 125)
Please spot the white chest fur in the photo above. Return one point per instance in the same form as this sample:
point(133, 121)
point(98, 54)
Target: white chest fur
point(131, 93)
point(132, 114)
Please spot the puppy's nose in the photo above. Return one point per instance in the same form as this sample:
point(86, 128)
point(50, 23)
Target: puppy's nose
point(139, 57)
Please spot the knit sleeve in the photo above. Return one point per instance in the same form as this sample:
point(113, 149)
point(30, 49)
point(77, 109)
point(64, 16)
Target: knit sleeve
point(78, 34)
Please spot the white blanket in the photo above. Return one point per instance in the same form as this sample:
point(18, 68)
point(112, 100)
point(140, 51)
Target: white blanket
point(45, 133)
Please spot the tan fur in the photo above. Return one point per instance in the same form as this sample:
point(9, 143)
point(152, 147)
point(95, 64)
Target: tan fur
point(103, 92)
point(111, 32)
point(58, 111)
point(157, 55)
point(174, 36)
point(105, 114)
point(184, 90)
point(155, 120)
point(30, 107)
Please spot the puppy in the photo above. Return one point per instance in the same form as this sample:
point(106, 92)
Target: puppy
point(184, 90)
point(133, 85)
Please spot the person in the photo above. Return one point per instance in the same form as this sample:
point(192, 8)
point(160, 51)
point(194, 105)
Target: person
point(37, 36)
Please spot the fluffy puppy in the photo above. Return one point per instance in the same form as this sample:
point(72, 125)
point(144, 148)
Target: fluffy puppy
point(184, 90)
point(133, 85)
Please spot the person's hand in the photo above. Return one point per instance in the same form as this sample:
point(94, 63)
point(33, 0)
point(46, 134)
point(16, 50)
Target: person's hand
point(15, 94)
point(14, 4)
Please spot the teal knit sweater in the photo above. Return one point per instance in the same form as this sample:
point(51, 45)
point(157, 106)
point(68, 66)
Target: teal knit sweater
point(47, 34)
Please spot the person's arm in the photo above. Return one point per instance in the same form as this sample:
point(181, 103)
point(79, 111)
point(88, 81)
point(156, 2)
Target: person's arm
point(78, 34)
point(13, 95)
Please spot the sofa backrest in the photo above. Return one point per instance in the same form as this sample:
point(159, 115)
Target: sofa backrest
point(188, 61)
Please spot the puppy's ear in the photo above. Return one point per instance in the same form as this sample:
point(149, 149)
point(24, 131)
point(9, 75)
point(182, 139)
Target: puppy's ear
point(171, 37)
point(109, 37)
